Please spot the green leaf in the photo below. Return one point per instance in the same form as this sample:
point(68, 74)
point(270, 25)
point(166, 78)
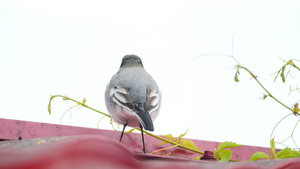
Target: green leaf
point(282, 74)
point(225, 155)
point(236, 78)
point(227, 144)
point(217, 155)
point(292, 154)
point(259, 156)
point(272, 143)
point(49, 106)
point(284, 152)
point(287, 153)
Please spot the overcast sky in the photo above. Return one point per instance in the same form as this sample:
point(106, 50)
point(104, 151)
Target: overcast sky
point(74, 47)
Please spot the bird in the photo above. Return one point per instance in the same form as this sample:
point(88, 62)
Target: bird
point(132, 96)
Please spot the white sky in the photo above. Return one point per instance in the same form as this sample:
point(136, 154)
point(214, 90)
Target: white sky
point(74, 47)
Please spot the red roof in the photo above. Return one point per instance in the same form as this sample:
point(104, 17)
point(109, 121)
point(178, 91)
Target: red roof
point(52, 146)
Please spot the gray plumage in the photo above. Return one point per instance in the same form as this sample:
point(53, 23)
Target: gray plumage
point(132, 97)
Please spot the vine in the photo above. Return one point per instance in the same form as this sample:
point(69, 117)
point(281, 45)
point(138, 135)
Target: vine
point(222, 153)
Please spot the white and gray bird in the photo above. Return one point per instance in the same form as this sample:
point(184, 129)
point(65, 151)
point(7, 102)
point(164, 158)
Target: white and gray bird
point(132, 97)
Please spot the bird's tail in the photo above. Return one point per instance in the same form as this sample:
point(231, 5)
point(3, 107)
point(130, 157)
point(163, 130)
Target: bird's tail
point(145, 119)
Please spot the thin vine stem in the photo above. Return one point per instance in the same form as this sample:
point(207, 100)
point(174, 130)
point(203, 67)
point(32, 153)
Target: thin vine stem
point(153, 135)
point(292, 135)
point(69, 109)
point(163, 149)
point(278, 124)
point(295, 66)
point(269, 94)
point(78, 102)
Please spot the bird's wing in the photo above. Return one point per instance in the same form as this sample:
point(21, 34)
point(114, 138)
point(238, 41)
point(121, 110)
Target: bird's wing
point(153, 100)
point(121, 96)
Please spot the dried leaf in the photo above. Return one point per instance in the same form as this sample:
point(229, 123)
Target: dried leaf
point(40, 141)
point(296, 109)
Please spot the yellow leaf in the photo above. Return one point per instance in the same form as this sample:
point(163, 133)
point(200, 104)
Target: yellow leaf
point(181, 135)
point(169, 136)
point(163, 143)
point(197, 158)
point(189, 143)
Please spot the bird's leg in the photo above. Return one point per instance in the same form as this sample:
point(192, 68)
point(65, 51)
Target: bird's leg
point(123, 131)
point(144, 147)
